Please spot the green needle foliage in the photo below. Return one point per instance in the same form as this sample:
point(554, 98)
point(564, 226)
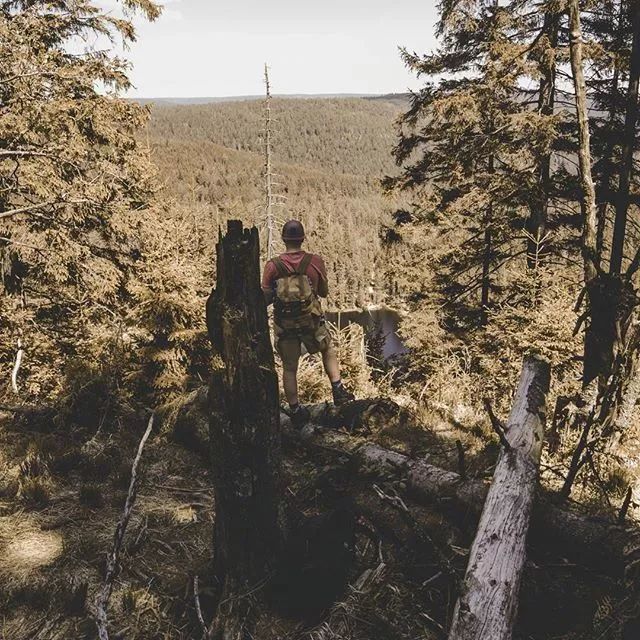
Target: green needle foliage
point(470, 147)
point(75, 185)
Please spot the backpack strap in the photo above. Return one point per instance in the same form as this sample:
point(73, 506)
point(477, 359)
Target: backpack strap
point(304, 264)
point(281, 268)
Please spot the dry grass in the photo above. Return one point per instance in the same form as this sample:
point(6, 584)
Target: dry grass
point(51, 553)
point(49, 550)
point(356, 372)
point(24, 547)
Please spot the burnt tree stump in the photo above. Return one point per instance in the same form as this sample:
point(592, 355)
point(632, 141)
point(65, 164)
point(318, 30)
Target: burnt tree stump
point(244, 427)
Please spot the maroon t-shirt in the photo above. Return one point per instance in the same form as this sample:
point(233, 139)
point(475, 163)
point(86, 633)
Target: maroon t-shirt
point(316, 272)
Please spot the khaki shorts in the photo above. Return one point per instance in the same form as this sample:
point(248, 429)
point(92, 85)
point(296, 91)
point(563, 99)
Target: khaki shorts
point(289, 345)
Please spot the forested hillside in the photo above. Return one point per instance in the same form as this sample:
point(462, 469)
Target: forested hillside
point(330, 156)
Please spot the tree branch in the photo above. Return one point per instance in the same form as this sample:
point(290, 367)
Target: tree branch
point(16, 367)
point(497, 424)
point(104, 594)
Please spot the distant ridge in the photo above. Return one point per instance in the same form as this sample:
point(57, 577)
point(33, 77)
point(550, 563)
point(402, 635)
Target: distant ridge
point(293, 96)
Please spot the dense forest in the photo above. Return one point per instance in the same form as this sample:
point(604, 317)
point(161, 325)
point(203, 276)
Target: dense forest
point(151, 487)
point(329, 156)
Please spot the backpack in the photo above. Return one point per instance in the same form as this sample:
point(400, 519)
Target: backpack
point(296, 306)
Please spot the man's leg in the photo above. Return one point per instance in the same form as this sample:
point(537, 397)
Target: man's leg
point(330, 362)
point(332, 368)
point(290, 350)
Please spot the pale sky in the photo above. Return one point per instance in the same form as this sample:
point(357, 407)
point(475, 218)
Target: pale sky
point(219, 47)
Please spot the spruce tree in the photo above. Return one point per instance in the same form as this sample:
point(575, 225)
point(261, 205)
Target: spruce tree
point(472, 150)
point(75, 186)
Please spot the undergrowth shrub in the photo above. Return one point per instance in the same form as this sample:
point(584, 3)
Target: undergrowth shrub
point(34, 478)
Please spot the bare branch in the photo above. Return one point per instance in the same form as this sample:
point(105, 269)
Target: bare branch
point(9, 153)
point(497, 424)
point(29, 209)
point(196, 598)
point(16, 367)
point(104, 594)
point(43, 205)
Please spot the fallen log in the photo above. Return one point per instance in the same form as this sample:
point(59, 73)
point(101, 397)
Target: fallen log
point(610, 548)
point(102, 599)
point(488, 603)
point(596, 543)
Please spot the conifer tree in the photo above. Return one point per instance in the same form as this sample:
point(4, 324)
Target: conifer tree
point(74, 185)
point(472, 149)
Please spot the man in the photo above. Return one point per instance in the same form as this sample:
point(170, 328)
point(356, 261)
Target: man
point(294, 282)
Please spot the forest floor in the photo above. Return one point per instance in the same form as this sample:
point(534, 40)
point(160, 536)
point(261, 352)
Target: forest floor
point(62, 493)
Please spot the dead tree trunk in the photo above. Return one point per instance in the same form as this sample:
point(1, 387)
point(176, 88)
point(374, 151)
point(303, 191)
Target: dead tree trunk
point(536, 225)
point(588, 200)
point(628, 147)
point(244, 424)
point(488, 603)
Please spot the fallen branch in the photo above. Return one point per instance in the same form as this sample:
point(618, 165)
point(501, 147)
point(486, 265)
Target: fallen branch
point(497, 424)
point(102, 600)
point(196, 599)
point(398, 503)
point(16, 367)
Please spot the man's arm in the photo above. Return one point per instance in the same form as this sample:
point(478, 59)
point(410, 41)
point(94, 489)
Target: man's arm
point(323, 282)
point(268, 280)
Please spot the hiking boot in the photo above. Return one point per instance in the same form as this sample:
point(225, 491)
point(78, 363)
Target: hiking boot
point(300, 417)
point(341, 395)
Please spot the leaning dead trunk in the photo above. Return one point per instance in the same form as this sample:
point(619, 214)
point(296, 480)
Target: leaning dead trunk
point(588, 200)
point(488, 602)
point(244, 423)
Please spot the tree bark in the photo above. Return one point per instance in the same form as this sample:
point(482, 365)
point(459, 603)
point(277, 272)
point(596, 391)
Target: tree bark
point(628, 146)
point(607, 159)
point(244, 424)
point(488, 602)
point(487, 258)
point(588, 199)
point(591, 260)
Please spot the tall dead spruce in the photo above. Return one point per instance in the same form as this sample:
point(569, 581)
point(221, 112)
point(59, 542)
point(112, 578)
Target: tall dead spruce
point(244, 422)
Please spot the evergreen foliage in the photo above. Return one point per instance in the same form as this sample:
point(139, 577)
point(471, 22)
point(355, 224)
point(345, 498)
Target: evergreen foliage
point(84, 245)
point(489, 153)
